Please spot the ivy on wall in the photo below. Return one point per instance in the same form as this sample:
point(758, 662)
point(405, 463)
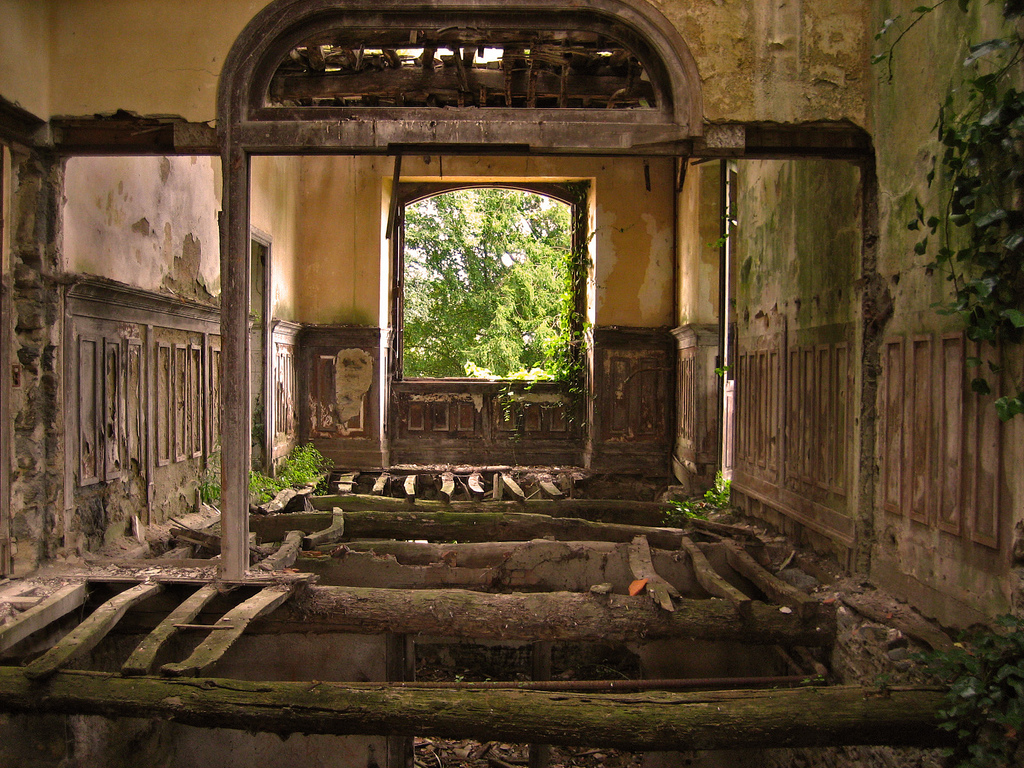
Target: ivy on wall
point(977, 233)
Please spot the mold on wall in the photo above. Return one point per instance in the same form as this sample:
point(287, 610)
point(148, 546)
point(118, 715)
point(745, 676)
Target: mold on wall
point(797, 252)
point(950, 497)
point(149, 222)
point(353, 379)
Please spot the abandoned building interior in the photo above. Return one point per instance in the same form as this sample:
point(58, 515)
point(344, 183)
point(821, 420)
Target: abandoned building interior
point(203, 221)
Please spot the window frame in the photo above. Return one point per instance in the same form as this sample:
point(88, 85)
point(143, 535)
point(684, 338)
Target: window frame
point(567, 192)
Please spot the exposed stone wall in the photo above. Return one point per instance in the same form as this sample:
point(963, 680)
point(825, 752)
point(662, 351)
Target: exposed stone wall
point(36, 477)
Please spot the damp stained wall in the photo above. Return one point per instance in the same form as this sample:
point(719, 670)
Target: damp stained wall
point(149, 222)
point(798, 61)
point(951, 551)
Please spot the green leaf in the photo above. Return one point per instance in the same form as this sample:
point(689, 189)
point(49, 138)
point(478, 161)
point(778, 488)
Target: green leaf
point(980, 386)
point(1015, 316)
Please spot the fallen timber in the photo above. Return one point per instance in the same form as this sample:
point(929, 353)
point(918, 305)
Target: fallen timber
point(565, 616)
point(405, 523)
point(794, 717)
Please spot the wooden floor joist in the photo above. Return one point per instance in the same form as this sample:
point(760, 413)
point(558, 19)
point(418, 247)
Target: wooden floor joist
point(774, 588)
point(142, 658)
point(59, 604)
point(211, 650)
point(88, 634)
point(794, 717)
point(332, 533)
point(286, 554)
point(643, 569)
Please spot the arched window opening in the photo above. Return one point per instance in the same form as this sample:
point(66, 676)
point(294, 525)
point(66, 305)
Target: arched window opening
point(488, 286)
point(447, 66)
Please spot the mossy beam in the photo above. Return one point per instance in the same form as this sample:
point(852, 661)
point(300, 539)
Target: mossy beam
point(800, 717)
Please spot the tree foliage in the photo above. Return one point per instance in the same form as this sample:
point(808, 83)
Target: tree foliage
point(484, 282)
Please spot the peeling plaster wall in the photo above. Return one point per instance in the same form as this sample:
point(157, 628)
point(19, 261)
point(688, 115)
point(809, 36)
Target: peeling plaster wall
point(938, 561)
point(275, 211)
point(801, 60)
point(150, 222)
point(24, 60)
point(780, 62)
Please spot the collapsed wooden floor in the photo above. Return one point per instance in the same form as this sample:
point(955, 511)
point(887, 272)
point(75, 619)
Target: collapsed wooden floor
point(387, 567)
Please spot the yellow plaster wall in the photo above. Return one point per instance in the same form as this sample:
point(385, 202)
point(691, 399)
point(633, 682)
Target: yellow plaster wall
point(338, 272)
point(146, 56)
point(150, 222)
point(24, 54)
point(796, 61)
point(698, 227)
point(274, 211)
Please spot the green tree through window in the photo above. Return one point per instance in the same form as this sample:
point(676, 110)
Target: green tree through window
point(485, 282)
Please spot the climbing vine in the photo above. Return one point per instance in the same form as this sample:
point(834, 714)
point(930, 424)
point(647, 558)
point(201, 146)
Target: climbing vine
point(977, 235)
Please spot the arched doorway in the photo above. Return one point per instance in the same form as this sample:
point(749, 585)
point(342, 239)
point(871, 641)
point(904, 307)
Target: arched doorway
point(648, 103)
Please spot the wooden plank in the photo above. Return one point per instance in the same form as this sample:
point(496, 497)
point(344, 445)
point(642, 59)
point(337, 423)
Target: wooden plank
point(90, 632)
point(549, 489)
point(346, 482)
point(447, 487)
point(142, 658)
point(409, 487)
point(773, 587)
point(511, 487)
point(476, 486)
point(211, 650)
point(380, 485)
point(643, 568)
point(710, 580)
point(59, 604)
point(286, 554)
point(328, 535)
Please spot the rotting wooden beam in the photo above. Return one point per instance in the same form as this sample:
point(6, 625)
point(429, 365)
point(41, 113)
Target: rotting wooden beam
point(793, 717)
point(712, 582)
point(569, 616)
point(380, 485)
point(410, 523)
point(773, 587)
point(285, 555)
point(643, 568)
point(59, 604)
point(90, 632)
point(142, 658)
point(447, 489)
point(332, 533)
point(211, 650)
point(476, 486)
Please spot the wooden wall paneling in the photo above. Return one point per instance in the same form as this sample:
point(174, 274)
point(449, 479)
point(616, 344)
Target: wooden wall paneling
point(216, 378)
point(149, 374)
point(180, 399)
point(164, 404)
point(197, 398)
point(892, 427)
point(135, 410)
point(89, 410)
point(794, 444)
point(951, 383)
point(774, 406)
point(824, 431)
point(920, 428)
point(113, 409)
point(987, 464)
point(761, 409)
point(809, 417)
point(842, 389)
